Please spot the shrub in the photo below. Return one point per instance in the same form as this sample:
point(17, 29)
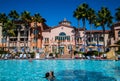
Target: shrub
point(80, 52)
point(56, 54)
point(75, 52)
point(90, 53)
point(32, 54)
point(118, 52)
point(3, 52)
point(51, 54)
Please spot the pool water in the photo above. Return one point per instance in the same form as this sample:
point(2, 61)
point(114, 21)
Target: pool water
point(64, 70)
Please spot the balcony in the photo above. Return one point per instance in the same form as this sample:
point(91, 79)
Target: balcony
point(46, 43)
point(79, 42)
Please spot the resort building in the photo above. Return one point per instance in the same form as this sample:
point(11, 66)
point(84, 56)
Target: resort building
point(65, 38)
point(27, 37)
point(115, 33)
point(62, 38)
point(95, 40)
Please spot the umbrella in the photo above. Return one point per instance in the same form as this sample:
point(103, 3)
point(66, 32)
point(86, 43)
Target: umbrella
point(91, 46)
point(114, 45)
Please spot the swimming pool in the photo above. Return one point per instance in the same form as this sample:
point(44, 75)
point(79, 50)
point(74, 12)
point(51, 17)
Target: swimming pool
point(64, 70)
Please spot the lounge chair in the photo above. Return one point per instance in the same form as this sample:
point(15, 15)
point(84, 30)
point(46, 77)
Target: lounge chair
point(21, 56)
point(94, 57)
point(88, 57)
point(28, 55)
point(3, 55)
point(0, 56)
point(6, 56)
point(24, 56)
point(37, 56)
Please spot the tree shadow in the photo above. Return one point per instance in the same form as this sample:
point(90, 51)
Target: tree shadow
point(82, 75)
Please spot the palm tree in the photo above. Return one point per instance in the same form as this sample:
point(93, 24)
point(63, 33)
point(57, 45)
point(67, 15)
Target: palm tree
point(77, 15)
point(91, 17)
point(26, 18)
point(37, 19)
point(117, 14)
point(8, 31)
point(14, 16)
point(104, 19)
point(3, 20)
point(81, 14)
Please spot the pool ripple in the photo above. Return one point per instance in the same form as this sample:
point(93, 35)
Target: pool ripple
point(65, 70)
point(81, 75)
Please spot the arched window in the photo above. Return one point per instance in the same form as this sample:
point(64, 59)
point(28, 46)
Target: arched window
point(62, 34)
point(101, 39)
point(119, 34)
point(62, 37)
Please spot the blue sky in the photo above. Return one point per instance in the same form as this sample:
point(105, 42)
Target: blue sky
point(56, 10)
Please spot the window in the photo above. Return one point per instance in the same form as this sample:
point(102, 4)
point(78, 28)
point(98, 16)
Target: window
point(34, 40)
point(46, 40)
point(119, 34)
point(101, 39)
point(22, 39)
point(62, 37)
point(89, 39)
point(35, 32)
point(22, 33)
point(62, 34)
point(4, 40)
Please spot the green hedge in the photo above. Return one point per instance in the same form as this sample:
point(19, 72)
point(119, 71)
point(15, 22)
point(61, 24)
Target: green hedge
point(32, 54)
point(118, 52)
point(3, 52)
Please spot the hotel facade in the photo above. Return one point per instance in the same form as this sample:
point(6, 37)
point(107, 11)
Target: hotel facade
point(62, 38)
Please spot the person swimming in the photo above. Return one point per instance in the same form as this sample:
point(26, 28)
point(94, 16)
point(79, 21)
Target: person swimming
point(50, 76)
point(47, 75)
point(30, 60)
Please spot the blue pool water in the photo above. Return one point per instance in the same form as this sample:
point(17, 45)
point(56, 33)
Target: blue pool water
point(64, 70)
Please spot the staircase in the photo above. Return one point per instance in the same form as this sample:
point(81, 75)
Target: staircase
point(66, 56)
point(42, 56)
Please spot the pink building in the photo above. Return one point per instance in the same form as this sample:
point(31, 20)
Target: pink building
point(61, 38)
point(115, 36)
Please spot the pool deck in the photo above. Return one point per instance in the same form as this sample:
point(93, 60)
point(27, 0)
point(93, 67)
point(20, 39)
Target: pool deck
point(60, 57)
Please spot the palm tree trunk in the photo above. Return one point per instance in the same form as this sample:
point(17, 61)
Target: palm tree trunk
point(2, 44)
point(8, 42)
point(78, 23)
point(24, 39)
point(18, 40)
point(36, 34)
point(90, 33)
point(104, 38)
point(84, 33)
point(29, 37)
point(98, 43)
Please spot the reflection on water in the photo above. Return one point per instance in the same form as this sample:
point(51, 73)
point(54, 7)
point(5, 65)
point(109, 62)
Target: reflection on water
point(81, 75)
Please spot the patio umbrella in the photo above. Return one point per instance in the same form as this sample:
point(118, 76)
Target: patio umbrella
point(114, 45)
point(90, 46)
